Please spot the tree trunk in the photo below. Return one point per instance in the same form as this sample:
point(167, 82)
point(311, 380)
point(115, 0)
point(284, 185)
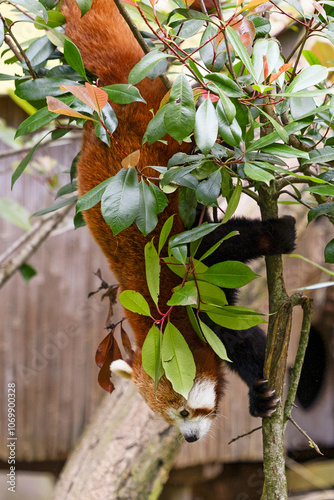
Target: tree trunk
point(126, 452)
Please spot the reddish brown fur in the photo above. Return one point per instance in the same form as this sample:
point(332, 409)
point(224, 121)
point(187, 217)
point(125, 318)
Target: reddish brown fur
point(109, 50)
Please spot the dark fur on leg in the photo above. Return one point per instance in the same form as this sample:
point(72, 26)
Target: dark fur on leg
point(246, 348)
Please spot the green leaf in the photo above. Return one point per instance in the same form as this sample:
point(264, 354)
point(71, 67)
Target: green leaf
point(146, 219)
point(177, 174)
point(279, 129)
point(180, 253)
point(235, 317)
point(209, 190)
point(322, 155)
point(233, 202)
point(152, 269)
point(92, 197)
point(27, 272)
point(285, 151)
point(274, 136)
point(156, 128)
point(257, 173)
point(187, 206)
point(78, 221)
point(55, 206)
point(214, 341)
point(211, 295)
point(227, 106)
point(151, 355)
point(329, 252)
point(73, 57)
point(31, 6)
point(122, 93)
point(323, 209)
point(194, 322)
point(177, 360)
point(206, 126)
point(268, 48)
point(240, 50)
point(185, 296)
point(230, 132)
point(33, 90)
point(192, 234)
point(55, 19)
point(327, 190)
point(228, 274)
point(134, 302)
point(217, 245)
point(69, 188)
point(165, 232)
point(308, 78)
point(311, 58)
point(212, 56)
point(160, 197)
point(39, 51)
point(145, 66)
point(84, 6)
point(120, 200)
point(12, 211)
point(180, 112)
point(297, 5)
point(23, 164)
point(192, 14)
point(40, 118)
point(224, 84)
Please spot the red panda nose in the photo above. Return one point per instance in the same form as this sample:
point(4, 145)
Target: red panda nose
point(191, 438)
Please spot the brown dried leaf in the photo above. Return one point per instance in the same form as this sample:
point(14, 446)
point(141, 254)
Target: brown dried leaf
point(281, 70)
point(131, 160)
point(98, 96)
point(126, 342)
point(57, 106)
point(110, 350)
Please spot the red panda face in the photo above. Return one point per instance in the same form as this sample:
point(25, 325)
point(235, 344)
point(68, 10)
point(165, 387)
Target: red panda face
point(194, 415)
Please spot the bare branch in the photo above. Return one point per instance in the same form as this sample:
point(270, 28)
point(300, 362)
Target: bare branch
point(36, 238)
point(312, 443)
point(307, 305)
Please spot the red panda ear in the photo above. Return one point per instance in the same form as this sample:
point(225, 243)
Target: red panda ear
point(121, 368)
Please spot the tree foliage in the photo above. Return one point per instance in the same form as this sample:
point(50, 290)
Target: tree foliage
point(261, 125)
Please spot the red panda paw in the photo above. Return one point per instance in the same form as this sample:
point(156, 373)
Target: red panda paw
point(263, 400)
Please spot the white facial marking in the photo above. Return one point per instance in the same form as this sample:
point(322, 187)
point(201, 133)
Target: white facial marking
point(202, 394)
point(196, 427)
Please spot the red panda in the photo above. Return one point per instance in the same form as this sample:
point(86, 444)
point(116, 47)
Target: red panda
point(109, 50)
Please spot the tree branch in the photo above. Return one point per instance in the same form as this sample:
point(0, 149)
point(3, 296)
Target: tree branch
point(307, 305)
point(116, 459)
point(32, 241)
point(138, 36)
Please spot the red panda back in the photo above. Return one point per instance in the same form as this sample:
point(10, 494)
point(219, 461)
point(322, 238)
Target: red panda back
point(109, 50)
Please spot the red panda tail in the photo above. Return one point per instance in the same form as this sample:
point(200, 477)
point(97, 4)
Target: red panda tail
point(108, 48)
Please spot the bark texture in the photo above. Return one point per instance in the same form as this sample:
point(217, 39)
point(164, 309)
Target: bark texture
point(126, 452)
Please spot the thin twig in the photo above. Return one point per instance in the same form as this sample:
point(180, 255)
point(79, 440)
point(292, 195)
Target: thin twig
point(18, 46)
point(245, 434)
point(312, 443)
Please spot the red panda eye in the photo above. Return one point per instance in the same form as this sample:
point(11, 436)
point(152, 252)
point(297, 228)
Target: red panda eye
point(184, 413)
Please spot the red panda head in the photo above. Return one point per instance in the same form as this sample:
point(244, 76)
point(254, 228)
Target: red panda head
point(194, 415)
